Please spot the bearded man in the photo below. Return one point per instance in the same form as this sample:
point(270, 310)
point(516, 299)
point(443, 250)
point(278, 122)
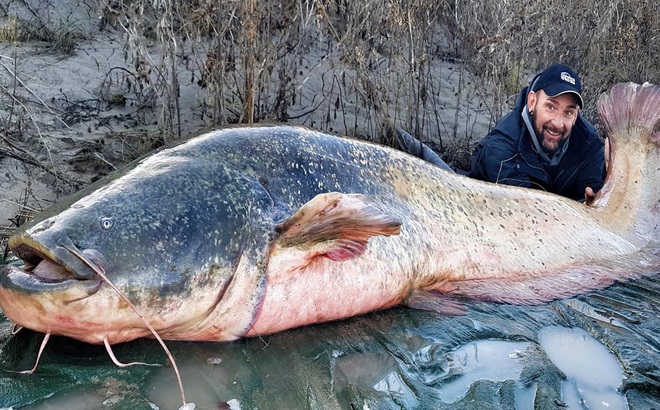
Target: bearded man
point(545, 142)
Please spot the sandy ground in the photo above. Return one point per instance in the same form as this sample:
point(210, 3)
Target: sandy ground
point(62, 129)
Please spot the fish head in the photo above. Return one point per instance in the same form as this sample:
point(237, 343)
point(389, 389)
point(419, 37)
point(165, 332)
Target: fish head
point(118, 236)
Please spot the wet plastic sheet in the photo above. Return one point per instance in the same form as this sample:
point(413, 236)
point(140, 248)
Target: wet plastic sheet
point(599, 350)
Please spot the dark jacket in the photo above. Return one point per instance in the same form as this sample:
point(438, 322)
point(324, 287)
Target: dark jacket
point(507, 155)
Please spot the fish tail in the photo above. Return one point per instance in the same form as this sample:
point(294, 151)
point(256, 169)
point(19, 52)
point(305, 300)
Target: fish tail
point(629, 110)
point(630, 196)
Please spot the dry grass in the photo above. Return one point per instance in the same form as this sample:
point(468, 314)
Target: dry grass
point(60, 39)
point(371, 62)
point(380, 58)
point(605, 41)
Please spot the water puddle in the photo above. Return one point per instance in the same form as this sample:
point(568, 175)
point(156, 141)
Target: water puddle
point(376, 371)
point(593, 374)
point(494, 360)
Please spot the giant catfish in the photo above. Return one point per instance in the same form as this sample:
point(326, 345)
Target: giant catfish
point(250, 231)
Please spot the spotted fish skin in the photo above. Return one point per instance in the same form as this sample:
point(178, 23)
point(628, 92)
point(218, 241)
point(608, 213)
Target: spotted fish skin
point(253, 230)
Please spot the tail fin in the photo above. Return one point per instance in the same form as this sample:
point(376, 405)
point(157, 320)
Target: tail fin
point(629, 109)
point(631, 193)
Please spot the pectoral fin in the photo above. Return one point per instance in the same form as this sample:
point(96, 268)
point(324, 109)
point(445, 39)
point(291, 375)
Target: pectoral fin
point(336, 225)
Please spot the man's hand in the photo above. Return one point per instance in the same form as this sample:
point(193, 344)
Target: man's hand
point(589, 196)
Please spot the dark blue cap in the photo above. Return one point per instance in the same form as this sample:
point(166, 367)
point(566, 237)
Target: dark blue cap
point(558, 79)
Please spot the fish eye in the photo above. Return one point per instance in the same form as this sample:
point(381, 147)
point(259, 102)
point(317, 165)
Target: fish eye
point(107, 223)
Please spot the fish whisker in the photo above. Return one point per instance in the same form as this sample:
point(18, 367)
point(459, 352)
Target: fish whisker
point(36, 364)
point(101, 272)
point(120, 364)
point(266, 344)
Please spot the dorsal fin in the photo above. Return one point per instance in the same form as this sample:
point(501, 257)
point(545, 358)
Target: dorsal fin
point(343, 223)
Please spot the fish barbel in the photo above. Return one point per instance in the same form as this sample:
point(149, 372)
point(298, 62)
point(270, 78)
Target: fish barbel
point(254, 230)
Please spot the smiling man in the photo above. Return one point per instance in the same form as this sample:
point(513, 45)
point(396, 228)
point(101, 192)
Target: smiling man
point(545, 142)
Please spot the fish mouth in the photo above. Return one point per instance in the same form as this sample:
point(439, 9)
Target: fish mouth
point(47, 270)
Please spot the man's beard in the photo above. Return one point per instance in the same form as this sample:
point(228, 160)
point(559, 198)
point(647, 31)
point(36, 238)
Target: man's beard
point(550, 146)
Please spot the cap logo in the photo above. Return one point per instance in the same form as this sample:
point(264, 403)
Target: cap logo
point(567, 77)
